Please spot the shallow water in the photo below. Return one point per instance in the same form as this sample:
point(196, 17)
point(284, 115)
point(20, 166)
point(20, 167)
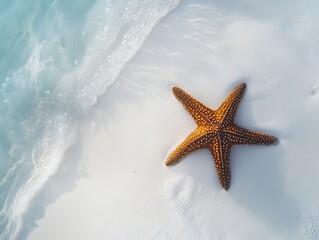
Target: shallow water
point(56, 59)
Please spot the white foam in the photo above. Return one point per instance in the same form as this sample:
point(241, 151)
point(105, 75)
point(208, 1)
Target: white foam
point(122, 29)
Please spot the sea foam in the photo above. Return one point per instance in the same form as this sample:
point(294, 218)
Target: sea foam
point(56, 59)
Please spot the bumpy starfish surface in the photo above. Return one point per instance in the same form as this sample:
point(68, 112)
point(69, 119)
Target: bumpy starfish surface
point(216, 131)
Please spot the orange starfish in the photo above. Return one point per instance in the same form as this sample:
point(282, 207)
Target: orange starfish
point(216, 131)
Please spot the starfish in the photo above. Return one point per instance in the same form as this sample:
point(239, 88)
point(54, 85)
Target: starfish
point(216, 131)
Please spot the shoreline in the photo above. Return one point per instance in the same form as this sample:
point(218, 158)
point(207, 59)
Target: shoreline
point(68, 97)
point(120, 181)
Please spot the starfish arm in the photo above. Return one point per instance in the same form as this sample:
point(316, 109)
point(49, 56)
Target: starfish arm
point(198, 139)
point(200, 113)
point(240, 136)
point(220, 150)
point(227, 110)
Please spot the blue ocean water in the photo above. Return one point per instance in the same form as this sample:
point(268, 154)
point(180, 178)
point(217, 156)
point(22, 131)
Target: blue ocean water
point(56, 58)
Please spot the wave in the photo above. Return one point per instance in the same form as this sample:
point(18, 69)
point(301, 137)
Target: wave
point(56, 59)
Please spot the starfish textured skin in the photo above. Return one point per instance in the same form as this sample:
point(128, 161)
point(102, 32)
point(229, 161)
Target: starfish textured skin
point(216, 131)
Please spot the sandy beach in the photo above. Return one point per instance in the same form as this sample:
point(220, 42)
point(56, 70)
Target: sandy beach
point(113, 183)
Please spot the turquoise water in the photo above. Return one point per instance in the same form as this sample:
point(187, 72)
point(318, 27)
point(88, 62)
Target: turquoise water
point(56, 58)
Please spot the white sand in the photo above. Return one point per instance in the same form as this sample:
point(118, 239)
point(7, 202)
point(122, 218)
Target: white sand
point(123, 190)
